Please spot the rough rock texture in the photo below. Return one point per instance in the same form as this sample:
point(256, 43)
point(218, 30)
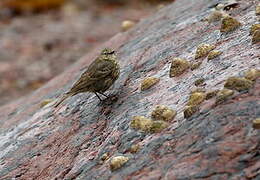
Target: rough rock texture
point(217, 143)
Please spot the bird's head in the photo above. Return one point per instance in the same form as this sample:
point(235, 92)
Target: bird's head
point(107, 51)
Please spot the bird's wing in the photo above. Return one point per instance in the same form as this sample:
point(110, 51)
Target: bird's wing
point(96, 71)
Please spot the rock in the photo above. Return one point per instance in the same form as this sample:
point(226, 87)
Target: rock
point(257, 10)
point(147, 83)
point(229, 24)
point(163, 113)
point(214, 142)
point(178, 67)
point(203, 50)
point(117, 162)
point(239, 84)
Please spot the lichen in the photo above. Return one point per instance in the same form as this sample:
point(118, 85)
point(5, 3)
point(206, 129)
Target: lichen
point(229, 24)
point(45, 102)
point(127, 24)
point(215, 16)
point(256, 37)
point(238, 83)
point(164, 113)
point(195, 65)
point(257, 10)
point(211, 94)
point(254, 28)
point(158, 126)
point(203, 50)
point(196, 98)
point(256, 123)
point(213, 54)
point(199, 82)
point(117, 162)
point(223, 95)
point(190, 110)
point(134, 148)
point(149, 82)
point(178, 67)
point(252, 74)
point(105, 156)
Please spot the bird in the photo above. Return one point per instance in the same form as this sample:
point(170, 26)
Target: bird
point(98, 77)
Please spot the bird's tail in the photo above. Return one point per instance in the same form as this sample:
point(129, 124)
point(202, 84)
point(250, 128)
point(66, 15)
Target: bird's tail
point(63, 98)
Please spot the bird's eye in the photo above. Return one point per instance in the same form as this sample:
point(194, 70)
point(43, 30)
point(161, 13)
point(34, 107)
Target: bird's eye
point(111, 52)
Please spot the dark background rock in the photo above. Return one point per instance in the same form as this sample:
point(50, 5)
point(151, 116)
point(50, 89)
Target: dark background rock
point(217, 143)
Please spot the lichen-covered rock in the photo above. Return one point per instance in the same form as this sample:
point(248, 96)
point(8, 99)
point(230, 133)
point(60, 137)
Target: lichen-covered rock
point(252, 74)
point(254, 28)
point(257, 10)
point(45, 102)
point(211, 94)
point(213, 54)
point(238, 83)
point(134, 148)
point(256, 37)
point(105, 156)
point(141, 123)
point(190, 110)
point(158, 126)
point(127, 24)
point(256, 123)
point(203, 50)
point(224, 95)
point(147, 83)
point(196, 98)
point(199, 82)
point(195, 65)
point(164, 113)
point(178, 67)
point(229, 24)
point(117, 162)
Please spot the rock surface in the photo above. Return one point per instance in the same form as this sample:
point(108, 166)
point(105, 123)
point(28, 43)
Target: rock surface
point(217, 143)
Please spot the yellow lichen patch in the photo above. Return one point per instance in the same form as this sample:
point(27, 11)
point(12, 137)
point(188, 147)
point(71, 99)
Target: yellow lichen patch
point(178, 67)
point(195, 65)
point(127, 24)
point(142, 123)
point(117, 162)
point(164, 113)
point(45, 102)
point(252, 74)
point(149, 82)
point(196, 98)
point(203, 50)
point(198, 90)
point(239, 84)
point(190, 110)
point(215, 16)
point(134, 148)
point(223, 95)
point(229, 24)
point(254, 28)
point(105, 156)
point(257, 9)
point(256, 37)
point(213, 54)
point(211, 94)
point(147, 125)
point(158, 126)
point(256, 123)
point(199, 82)
point(32, 5)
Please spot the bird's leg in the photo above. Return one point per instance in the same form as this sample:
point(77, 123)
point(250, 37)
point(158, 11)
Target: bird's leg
point(98, 96)
point(103, 94)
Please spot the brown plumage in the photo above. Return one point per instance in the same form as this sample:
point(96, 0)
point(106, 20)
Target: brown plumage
point(99, 76)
